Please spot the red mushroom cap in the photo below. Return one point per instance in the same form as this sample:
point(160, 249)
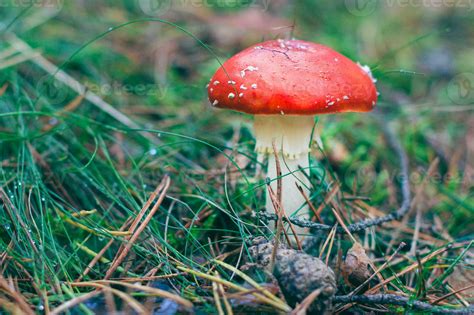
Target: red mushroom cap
point(292, 77)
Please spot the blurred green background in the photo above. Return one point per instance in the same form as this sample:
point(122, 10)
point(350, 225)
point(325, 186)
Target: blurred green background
point(150, 59)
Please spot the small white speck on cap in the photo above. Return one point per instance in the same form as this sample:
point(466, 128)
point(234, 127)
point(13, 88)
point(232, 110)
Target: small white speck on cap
point(345, 97)
point(368, 71)
point(373, 103)
point(254, 86)
point(249, 68)
point(336, 60)
point(331, 103)
point(212, 90)
point(216, 82)
point(231, 95)
point(304, 47)
point(282, 112)
point(231, 82)
point(242, 87)
point(338, 99)
point(241, 95)
point(282, 43)
point(258, 47)
point(215, 103)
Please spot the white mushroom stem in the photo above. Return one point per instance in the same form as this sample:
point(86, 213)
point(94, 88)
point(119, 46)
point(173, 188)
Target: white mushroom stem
point(293, 202)
point(292, 137)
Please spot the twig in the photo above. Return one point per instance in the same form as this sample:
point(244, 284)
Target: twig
point(343, 225)
point(444, 297)
point(282, 307)
point(451, 267)
point(459, 297)
point(331, 243)
point(217, 300)
point(122, 254)
point(409, 268)
point(278, 208)
point(154, 291)
point(15, 296)
point(328, 239)
point(278, 171)
point(7, 53)
point(415, 205)
point(18, 59)
point(137, 307)
point(356, 290)
point(73, 302)
point(3, 89)
point(99, 255)
point(220, 287)
point(328, 199)
point(310, 204)
point(279, 215)
point(306, 303)
point(286, 219)
point(249, 280)
point(392, 299)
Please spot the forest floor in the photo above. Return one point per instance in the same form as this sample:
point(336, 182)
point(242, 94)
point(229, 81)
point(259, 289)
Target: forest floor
point(122, 189)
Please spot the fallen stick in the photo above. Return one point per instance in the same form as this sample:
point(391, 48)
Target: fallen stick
point(392, 299)
point(126, 249)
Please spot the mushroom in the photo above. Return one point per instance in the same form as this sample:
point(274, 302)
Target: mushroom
point(284, 84)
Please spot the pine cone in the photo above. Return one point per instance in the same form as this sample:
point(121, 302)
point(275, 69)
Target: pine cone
point(298, 274)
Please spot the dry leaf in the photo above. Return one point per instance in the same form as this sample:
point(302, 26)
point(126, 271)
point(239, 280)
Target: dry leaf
point(356, 266)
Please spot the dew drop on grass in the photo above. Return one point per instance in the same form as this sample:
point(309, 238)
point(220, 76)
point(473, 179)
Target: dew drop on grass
point(110, 29)
point(153, 152)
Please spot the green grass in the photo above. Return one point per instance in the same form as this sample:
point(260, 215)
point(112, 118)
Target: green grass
point(54, 164)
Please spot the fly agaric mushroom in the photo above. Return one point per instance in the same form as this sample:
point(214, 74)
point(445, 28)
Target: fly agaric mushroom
point(284, 84)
